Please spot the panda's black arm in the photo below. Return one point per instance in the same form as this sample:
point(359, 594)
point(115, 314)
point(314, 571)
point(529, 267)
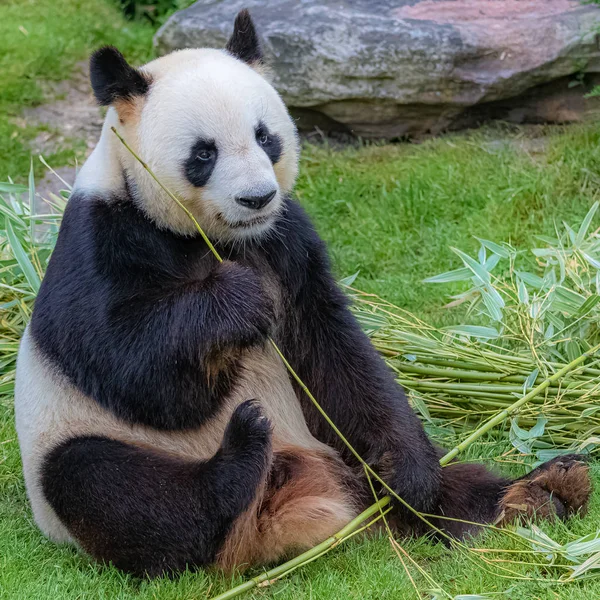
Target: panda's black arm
point(140, 321)
point(338, 363)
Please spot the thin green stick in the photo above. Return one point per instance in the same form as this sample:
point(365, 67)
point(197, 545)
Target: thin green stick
point(309, 555)
point(348, 529)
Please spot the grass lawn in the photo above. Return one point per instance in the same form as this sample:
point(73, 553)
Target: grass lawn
point(390, 212)
point(40, 42)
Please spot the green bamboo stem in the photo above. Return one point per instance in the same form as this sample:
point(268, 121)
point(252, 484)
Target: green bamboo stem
point(303, 558)
point(440, 362)
point(459, 374)
point(501, 416)
point(468, 388)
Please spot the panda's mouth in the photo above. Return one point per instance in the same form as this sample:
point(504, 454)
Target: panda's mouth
point(247, 223)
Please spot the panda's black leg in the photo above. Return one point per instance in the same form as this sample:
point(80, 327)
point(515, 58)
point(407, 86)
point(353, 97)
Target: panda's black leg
point(149, 513)
point(470, 494)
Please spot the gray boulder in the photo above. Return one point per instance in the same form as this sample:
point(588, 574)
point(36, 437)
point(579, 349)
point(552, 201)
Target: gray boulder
point(385, 68)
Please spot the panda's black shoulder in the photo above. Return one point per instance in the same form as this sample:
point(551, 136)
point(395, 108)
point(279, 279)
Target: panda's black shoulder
point(295, 250)
point(110, 237)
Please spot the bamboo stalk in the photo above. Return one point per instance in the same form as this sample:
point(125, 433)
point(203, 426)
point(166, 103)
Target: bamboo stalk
point(460, 374)
point(516, 405)
point(301, 559)
point(350, 528)
point(468, 388)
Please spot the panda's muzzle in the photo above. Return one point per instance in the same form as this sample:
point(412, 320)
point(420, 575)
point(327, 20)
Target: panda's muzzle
point(256, 202)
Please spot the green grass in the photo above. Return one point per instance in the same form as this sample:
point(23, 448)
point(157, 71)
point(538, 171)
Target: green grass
point(40, 42)
point(390, 212)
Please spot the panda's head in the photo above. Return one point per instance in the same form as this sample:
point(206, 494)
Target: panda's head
point(212, 129)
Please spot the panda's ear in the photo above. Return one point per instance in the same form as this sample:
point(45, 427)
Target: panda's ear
point(243, 43)
point(114, 79)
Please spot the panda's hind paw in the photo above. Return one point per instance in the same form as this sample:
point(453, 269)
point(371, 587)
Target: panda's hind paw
point(248, 429)
point(559, 488)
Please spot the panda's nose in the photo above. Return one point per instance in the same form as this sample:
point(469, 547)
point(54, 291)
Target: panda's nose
point(256, 202)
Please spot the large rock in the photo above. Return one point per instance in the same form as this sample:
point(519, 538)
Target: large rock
point(385, 68)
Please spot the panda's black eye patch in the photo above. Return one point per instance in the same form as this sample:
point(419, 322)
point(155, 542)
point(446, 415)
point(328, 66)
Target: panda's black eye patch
point(201, 162)
point(269, 142)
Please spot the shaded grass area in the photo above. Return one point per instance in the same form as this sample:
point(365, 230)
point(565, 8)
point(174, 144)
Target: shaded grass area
point(40, 42)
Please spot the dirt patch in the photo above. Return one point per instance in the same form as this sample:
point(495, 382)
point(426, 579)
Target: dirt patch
point(73, 115)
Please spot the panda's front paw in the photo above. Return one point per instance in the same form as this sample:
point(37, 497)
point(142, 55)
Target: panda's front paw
point(250, 309)
point(417, 482)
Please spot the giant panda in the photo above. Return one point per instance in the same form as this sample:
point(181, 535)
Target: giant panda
point(159, 429)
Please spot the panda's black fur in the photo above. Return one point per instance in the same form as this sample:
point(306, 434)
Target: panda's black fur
point(147, 324)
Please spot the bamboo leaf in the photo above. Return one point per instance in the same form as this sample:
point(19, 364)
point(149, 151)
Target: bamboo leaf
point(585, 224)
point(12, 188)
point(495, 248)
point(22, 258)
point(573, 350)
point(31, 199)
point(595, 262)
point(531, 379)
point(546, 455)
point(476, 331)
point(461, 274)
point(570, 232)
point(530, 279)
point(592, 563)
point(491, 262)
point(548, 240)
point(521, 445)
point(522, 292)
point(493, 307)
point(588, 544)
point(473, 265)
point(588, 412)
point(420, 406)
point(538, 429)
point(348, 281)
point(481, 255)
point(587, 306)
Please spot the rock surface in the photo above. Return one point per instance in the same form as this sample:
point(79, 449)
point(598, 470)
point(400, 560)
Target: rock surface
point(393, 68)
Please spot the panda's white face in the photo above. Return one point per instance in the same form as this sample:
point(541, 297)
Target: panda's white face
point(209, 126)
point(217, 134)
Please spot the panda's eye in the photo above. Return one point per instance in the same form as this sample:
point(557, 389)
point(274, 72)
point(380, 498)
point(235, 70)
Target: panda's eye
point(263, 138)
point(204, 155)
